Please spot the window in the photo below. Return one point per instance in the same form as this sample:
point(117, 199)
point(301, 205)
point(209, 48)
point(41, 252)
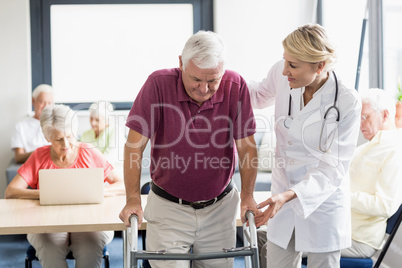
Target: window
point(392, 20)
point(105, 50)
point(343, 20)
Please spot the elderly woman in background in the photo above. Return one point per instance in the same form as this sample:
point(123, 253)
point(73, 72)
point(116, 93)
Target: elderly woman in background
point(102, 135)
point(59, 126)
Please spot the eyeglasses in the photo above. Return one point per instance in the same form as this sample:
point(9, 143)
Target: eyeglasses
point(364, 117)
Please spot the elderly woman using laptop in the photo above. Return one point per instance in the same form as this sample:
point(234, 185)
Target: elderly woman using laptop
point(59, 127)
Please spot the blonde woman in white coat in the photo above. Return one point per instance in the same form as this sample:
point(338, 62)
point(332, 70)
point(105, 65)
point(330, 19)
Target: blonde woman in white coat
point(309, 210)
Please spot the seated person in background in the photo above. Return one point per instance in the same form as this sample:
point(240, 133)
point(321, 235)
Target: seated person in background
point(375, 177)
point(59, 126)
point(101, 135)
point(375, 174)
point(27, 134)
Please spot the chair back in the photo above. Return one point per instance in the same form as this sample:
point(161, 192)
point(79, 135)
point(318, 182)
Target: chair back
point(146, 188)
point(392, 227)
point(394, 220)
point(393, 224)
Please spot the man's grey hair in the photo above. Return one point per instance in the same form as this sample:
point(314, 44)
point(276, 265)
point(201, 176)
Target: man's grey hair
point(205, 49)
point(58, 117)
point(379, 100)
point(101, 108)
point(42, 88)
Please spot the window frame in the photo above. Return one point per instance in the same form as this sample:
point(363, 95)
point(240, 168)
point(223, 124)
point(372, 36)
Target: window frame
point(41, 39)
point(376, 47)
point(374, 29)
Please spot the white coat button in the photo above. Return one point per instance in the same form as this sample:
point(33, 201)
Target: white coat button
point(289, 142)
point(291, 162)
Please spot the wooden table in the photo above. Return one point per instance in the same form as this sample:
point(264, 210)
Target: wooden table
point(23, 216)
point(19, 216)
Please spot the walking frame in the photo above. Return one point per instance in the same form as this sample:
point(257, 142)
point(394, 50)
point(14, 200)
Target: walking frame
point(249, 251)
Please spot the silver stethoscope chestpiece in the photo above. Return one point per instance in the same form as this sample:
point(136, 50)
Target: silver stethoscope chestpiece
point(287, 122)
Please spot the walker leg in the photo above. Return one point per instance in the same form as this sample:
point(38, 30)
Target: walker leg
point(255, 262)
point(126, 262)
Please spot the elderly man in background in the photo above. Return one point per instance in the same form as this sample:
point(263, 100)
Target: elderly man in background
point(28, 134)
point(375, 174)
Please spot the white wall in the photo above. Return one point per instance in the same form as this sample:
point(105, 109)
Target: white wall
point(15, 74)
point(253, 30)
point(394, 254)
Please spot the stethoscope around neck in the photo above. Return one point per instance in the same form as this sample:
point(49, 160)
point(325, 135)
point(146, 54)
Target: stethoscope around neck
point(288, 120)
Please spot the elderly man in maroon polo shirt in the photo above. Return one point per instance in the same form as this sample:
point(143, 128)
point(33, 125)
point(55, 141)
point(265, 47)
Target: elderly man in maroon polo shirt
point(194, 115)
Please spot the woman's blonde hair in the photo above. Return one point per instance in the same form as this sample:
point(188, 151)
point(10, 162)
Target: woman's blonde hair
point(310, 43)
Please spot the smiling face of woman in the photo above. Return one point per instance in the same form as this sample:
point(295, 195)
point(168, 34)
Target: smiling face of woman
point(62, 143)
point(299, 73)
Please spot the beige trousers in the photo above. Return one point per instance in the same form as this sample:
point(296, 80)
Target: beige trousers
point(52, 248)
point(278, 257)
point(180, 229)
point(358, 250)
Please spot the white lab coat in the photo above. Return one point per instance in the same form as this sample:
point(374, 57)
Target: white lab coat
point(320, 215)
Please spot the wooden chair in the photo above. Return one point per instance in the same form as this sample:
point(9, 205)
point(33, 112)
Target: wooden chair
point(31, 256)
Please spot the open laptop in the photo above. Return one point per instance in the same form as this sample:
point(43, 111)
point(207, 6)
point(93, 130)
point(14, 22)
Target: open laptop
point(71, 186)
